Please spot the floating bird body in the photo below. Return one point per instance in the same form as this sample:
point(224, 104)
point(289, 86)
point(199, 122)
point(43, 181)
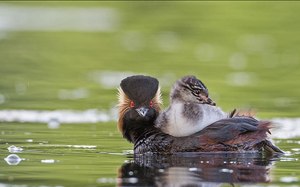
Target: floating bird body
point(139, 107)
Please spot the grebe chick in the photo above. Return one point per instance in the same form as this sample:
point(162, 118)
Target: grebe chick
point(191, 109)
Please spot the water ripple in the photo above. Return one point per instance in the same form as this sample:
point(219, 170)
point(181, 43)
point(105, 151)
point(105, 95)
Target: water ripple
point(60, 116)
point(284, 128)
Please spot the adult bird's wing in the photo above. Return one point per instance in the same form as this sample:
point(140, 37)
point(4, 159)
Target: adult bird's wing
point(236, 129)
point(231, 134)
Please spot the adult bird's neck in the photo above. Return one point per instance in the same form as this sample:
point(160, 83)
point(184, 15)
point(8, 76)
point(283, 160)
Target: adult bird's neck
point(134, 131)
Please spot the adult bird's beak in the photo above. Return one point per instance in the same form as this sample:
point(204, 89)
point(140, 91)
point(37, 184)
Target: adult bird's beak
point(142, 111)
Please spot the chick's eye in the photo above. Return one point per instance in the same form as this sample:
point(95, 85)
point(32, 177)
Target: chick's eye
point(132, 104)
point(151, 104)
point(197, 91)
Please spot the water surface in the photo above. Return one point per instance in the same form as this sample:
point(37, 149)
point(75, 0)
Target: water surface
point(96, 155)
point(61, 64)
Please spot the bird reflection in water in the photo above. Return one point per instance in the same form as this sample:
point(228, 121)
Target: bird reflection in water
point(195, 169)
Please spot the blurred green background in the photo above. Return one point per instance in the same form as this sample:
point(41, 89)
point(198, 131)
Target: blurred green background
point(247, 53)
point(72, 55)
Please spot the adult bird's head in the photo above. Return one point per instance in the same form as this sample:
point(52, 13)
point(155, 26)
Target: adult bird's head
point(139, 103)
point(191, 89)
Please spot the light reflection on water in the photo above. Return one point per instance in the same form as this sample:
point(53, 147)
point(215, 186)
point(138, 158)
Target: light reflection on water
point(196, 169)
point(283, 127)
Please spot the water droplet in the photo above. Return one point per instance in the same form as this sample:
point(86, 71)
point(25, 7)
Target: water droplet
point(13, 159)
point(14, 149)
point(48, 161)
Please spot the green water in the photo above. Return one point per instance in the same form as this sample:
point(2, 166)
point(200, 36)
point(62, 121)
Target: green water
point(69, 165)
point(93, 155)
point(247, 53)
point(219, 42)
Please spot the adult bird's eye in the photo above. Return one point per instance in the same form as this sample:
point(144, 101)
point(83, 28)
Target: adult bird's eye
point(151, 104)
point(132, 104)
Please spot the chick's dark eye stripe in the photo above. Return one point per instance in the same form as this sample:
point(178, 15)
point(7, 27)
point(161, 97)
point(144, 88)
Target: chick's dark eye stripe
point(193, 89)
point(197, 94)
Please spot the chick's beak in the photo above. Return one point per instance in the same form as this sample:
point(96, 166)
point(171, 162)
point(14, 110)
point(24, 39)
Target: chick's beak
point(142, 111)
point(208, 100)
